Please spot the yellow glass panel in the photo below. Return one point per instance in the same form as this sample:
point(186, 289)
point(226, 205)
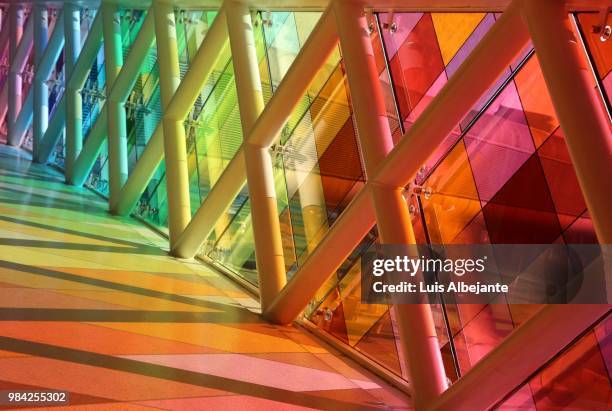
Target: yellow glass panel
point(358, 317)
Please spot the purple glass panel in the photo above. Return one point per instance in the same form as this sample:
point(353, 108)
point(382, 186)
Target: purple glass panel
point(499, 143)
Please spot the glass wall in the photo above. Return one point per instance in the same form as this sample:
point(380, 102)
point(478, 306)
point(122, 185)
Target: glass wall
point(502, 176)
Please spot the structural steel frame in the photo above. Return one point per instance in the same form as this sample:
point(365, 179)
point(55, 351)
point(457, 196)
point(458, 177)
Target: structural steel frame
point(390, 169)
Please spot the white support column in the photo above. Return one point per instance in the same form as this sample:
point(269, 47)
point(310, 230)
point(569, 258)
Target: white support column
point(117, 133)
point(584, 123)
point(175, 145)
point(260, 178)
point(41, 91)
point(73, 99)
point(14, 81)
point(417, 332)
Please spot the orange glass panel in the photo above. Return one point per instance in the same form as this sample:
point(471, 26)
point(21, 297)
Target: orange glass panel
point(359, 318)
point(537, 105)
point(454, 200)
point(452, 30)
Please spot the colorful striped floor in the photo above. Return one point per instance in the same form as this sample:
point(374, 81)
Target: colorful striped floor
point(92, 304)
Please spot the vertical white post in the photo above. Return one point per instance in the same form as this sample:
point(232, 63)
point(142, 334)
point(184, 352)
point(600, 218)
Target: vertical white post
point(74, 106)
point(260, 178)
point(16, 23)
point(41, 91)
point(417, 332)
point(117, 133)
point(175, 145)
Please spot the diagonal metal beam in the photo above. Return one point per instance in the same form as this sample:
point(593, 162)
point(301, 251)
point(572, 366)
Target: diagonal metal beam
point(42, 73)
point(4, 40)
point(24, 119)
point(120, 92)
point(462, 91)
point(53, 133)
point(53, 50)
point(317, 49)
point(91, 150)
point(77, 79)
point(4, 33)
point(521, 354)
point(201, 67)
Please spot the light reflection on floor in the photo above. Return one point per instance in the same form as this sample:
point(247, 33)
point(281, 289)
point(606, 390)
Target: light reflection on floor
point(92, 304)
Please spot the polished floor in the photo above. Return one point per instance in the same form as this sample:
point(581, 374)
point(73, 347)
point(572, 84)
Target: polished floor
point(92, 304)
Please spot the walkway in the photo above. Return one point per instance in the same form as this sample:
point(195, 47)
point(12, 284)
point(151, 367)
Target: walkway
point(91, 304)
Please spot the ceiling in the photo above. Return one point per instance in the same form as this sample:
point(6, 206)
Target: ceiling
point(398, 5)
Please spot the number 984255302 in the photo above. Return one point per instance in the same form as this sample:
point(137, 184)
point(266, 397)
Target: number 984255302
point(16, 397)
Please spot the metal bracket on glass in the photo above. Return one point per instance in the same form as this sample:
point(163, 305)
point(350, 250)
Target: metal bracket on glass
point(130, 16)
point(267, 20)
point(369, 15)
point(135, 105)
point(27, 75)
point(4, 65)
point(185, 17)
point(603, 28)
point(92, 94)
point(86, 14)
point(390, 24)
point(55, 85)
point(278, 150)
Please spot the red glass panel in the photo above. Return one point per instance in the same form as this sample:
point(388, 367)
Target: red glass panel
point(581, 231)
point(523, 211)
point(416, 66)
point(561, 179)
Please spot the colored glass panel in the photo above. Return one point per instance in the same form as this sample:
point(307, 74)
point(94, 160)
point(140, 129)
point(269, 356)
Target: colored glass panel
point(452, 30)
point(416, 65)
point(538, 108)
